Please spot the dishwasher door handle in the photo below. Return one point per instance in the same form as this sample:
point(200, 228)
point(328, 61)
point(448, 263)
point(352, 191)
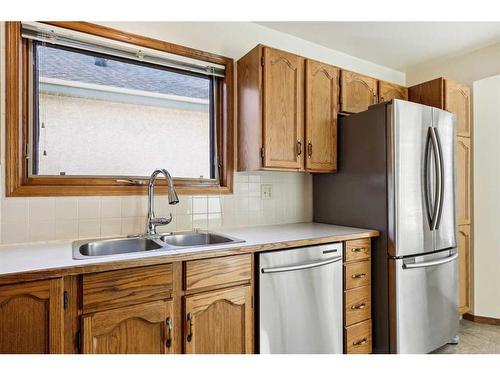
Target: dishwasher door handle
point(302, 266)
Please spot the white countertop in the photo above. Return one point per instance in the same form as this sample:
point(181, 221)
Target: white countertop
point(59, 254)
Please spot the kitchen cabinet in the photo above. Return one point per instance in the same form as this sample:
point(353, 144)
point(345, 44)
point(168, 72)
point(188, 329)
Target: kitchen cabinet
point(388, 91)
point(463, 168)
point(32, 317)
point(464, 268)
point(219, 322)
point(138, 329)
point(322, 103)
point(270, 110)
point(456, 98)
point(357, 296)
point(357, 92)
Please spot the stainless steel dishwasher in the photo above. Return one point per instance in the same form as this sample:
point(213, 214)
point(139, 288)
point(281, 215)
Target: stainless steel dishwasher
point(300, 300)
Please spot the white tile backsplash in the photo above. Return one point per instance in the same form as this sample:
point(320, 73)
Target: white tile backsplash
point(41, 219)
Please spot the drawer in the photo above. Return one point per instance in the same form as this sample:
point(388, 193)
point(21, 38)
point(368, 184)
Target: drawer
point(218, 272)
point(358, 338)
point(357, 274)
point(112, 289)
point(358, 305)
point(358, 249)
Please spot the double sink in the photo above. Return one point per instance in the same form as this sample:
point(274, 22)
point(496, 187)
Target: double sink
point(171, 241)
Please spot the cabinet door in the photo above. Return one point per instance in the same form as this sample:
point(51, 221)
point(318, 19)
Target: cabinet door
point(457, 101)
point(463, 168)
point(219, 322)
point(283, 113)
point(140, 329)
point(388, 91)
point(31, 317)
point(464, 279)
point(322, 100)
point(357, 91)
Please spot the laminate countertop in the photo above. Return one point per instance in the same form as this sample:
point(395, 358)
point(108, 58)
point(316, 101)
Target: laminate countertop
point(29, 261)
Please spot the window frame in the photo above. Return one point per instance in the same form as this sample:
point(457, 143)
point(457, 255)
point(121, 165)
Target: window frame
point(18, 181)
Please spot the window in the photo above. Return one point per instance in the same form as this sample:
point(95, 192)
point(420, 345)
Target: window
point(98, 118)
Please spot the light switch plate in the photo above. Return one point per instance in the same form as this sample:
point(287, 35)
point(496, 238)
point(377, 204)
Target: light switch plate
point(266, 191)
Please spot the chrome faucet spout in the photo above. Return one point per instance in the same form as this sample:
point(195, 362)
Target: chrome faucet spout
point(152, 221)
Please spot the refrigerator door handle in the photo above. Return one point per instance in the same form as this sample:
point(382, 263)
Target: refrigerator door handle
point(439, 182)
point(440, 178)
point(427, 187)
point(431, 262)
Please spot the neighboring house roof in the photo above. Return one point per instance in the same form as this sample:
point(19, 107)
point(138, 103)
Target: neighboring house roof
point(72, 66)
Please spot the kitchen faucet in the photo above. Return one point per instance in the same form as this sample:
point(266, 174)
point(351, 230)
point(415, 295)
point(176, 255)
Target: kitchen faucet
point(152, 221)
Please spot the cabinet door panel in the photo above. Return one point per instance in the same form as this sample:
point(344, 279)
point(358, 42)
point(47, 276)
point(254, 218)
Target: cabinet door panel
point(283, 113)
point(464, 268)
point(139, 329)
point(357, 91)
point(31, 317)
point(463, 166)
point(388, 91)
point(322, 98)
point(219, 322)
point(457, 101)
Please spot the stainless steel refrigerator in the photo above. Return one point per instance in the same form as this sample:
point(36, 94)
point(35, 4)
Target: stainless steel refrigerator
point(396, 164)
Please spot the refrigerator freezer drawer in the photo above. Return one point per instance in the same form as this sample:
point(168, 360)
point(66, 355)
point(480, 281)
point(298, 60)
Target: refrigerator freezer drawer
point(424, 298)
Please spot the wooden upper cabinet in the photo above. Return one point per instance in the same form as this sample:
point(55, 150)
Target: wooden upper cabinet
point(219, 322)
point(32, 317)
point(388, 91)
point(464, 261)
point(283, 109)
point(357, 92)
point(457, 100)
point(463, 168)
point(429, 93)
point(139, 329)
point(322, 103)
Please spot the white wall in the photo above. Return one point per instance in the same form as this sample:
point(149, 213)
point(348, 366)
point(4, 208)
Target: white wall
point(467, 68)
point(487, 197)
point(36, 219)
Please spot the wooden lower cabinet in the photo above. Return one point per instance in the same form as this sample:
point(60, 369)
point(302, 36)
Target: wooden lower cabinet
point(464, 271)
point(32, 317)
point(219, 322)
point(140, 329)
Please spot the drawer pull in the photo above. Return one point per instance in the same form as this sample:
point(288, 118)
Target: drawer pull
point(358, 249)
point(299, 148)
point(359, 276)
point(169, 325)
point(190, 320)
point(360, 342)
point(359, 306)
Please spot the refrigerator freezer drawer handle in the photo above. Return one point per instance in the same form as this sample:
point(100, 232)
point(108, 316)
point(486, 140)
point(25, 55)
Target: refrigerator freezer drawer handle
point(431, 263)
point(301, 266)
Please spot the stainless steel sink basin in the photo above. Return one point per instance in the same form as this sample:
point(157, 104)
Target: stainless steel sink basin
point(97, 248)
point(85, 249)
point(192, 239)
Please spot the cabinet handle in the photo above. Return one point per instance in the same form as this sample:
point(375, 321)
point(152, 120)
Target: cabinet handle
point(359, 275)
point(358, 249)
point(309, 149)
point(169, 325)
point(359, 306)
point(190, 321)
point(360, 342)
point(375, 99)
point(299, 148)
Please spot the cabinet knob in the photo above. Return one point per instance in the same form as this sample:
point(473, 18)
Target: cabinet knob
point(359, 275)
point(309, 149)
point(359, 306)
point(190, 321)
point(360, 342)
point(169, 325)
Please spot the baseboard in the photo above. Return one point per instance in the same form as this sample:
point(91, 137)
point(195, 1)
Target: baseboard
point(482, 319)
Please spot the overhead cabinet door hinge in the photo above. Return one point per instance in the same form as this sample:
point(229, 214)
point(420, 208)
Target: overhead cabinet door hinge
point(79, 341)
point(65, 300)
point(262, 152)
point(262, 60)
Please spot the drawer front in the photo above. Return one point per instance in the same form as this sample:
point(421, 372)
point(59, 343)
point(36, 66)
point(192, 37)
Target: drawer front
point(358, 338)
point(112, 289)
point(218, 272)
point(357, 249)
point(357, 274)
point(358, 305)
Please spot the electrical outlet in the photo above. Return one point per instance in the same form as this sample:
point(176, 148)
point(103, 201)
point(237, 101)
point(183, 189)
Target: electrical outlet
point(266, 191)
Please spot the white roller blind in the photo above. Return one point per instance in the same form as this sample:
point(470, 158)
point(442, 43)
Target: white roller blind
point(74, 39)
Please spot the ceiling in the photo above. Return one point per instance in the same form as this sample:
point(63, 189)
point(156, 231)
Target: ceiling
point(397, 45)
